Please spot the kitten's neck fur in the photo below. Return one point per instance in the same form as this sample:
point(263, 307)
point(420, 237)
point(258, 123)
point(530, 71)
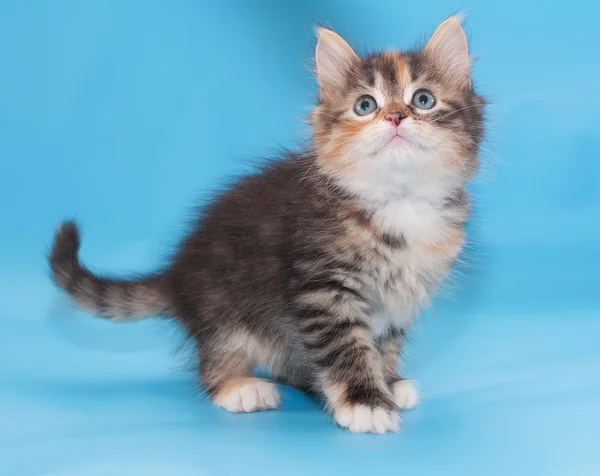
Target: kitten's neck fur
point(396, 176)
point(406, 200)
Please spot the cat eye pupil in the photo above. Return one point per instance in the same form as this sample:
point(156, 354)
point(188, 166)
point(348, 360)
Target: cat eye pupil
point(423, 99)
point(364, 105)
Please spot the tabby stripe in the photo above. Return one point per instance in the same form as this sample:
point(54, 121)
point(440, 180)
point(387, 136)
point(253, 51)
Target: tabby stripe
point(344, 355)
point(393, 241)
point(333, 333)
point(368, 395)
point(326, 262)
point(101, 297)
point(309, 313)
point(328, 284)
point(315, 325)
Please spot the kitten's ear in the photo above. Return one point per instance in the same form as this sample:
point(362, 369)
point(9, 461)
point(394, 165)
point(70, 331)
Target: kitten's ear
point(333, 57)
point(449, 49)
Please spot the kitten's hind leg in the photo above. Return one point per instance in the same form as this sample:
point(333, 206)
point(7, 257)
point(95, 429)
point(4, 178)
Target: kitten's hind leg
point(403, 389)
point(227, 375)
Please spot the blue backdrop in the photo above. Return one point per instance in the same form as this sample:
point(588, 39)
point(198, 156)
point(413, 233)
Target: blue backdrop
point(122, 112)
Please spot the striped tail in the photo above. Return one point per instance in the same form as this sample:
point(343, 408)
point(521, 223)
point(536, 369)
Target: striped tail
point(116, 299)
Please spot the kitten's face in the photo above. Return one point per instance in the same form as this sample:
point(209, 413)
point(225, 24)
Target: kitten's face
point(398, 111)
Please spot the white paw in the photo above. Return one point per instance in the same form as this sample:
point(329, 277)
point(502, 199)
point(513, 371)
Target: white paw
point(249, 395)
point(405, 394)
point(363, 419)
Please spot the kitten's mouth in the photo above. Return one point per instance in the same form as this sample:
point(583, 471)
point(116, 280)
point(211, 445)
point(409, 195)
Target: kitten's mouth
point(396, 138)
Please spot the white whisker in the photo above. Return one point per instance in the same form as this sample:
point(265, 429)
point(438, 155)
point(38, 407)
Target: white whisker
point(451, 113)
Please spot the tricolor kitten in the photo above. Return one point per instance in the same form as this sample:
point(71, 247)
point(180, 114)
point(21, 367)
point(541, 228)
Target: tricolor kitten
point(316, 265)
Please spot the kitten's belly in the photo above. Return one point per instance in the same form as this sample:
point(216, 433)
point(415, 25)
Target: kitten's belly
point(403, 284)
point(397, 301)
point(383, 321)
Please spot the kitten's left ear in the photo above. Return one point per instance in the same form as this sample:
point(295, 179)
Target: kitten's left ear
point(449, 49)
point(333, 57)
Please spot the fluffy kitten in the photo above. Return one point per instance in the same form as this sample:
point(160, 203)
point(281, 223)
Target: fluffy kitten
point(316, 265)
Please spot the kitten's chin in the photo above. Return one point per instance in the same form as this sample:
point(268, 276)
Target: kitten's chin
point(397, 148)
point(391, 147)
point(397, 141)
point(403, 156)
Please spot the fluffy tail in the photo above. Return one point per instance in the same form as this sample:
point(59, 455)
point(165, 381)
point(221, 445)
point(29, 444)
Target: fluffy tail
point(117, 299)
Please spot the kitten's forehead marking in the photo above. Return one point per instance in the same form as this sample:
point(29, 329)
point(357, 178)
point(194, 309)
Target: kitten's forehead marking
point(380, 92)
point(401, 78)
point(419, 79)
point(403, 72)
point(404, 79)
point(414, 81)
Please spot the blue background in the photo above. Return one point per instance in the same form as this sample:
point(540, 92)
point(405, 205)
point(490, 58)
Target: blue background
point(122, 113)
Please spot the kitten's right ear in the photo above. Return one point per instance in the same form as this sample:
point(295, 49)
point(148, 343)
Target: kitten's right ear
point(333, 57)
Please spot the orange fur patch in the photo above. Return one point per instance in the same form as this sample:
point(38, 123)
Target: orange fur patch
point(460, 152)
point(450, 245)
point(335, 154)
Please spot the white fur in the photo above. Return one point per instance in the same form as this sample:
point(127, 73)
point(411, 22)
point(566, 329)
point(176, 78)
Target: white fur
point(415, 219)
point(362, 419)
point(400, 304)
point(405, 394)
point(406, 201)
point(377, 93)
point(381, 321)
point(409, 92)
point(254, 395)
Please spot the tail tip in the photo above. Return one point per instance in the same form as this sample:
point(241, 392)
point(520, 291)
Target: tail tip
point(65, 249)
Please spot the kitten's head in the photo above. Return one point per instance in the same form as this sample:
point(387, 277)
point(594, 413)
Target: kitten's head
point(398, 110)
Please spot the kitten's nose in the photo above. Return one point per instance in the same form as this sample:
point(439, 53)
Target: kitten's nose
point(394, 117)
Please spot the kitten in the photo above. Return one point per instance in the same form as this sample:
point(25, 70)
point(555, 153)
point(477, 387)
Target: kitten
point(316, 265)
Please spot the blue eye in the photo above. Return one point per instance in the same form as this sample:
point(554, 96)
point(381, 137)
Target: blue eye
point(423, 99)
point(365, 106)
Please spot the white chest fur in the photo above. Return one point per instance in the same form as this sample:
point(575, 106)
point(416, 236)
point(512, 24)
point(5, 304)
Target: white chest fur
point(408, 204)
point(403, 279)
point(418, 221)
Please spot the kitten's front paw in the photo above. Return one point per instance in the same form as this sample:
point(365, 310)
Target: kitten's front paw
point(248, 395)
point(365, 419)
point(405, 394)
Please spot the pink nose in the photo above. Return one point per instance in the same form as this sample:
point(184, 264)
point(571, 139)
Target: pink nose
point(394, 117)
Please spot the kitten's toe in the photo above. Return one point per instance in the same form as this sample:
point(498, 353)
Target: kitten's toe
point(248, 395)
point(365, 419)
point(405, 394)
